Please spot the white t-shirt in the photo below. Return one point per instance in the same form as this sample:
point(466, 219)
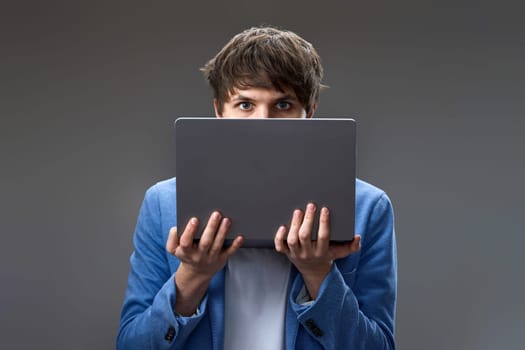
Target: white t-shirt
point(256, 289)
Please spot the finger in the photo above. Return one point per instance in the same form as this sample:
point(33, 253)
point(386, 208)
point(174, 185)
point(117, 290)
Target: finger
point(338, 251)
point(173, 241)
point(323, 235)
point(186, 239)
point(218, 242)
point(279, 240)
point(292, 239)
point(305, 231)
point(208, 236)
point(236, 244)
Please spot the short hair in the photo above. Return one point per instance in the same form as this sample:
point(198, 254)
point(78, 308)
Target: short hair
point(266, 57)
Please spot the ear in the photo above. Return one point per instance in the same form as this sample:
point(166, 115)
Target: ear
point(310, 114)
point(216, 108)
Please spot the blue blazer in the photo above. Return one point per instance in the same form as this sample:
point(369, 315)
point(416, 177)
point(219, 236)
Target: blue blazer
point(355, 307)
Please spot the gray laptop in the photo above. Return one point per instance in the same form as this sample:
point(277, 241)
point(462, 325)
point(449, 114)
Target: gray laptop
point(257, 171)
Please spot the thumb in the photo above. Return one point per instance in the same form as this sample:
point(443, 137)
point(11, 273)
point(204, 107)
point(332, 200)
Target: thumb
point(173, 241)
point(339, 251)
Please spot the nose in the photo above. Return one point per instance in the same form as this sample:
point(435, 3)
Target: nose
point(262, 111)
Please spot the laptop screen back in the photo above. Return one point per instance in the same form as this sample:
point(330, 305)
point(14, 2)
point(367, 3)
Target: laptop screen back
point(257, 171)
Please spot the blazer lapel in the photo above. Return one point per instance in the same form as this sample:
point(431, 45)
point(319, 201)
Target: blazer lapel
point(216, 309)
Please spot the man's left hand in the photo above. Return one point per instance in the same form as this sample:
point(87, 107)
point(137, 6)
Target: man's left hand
point(313, 259)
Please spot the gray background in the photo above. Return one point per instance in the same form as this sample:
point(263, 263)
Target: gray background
point(89, 91)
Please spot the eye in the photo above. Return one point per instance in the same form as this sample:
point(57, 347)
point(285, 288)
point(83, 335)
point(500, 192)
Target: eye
point(283, 105)
point(245, 106)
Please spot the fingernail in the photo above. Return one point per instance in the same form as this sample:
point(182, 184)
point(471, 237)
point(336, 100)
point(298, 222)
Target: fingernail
point(193, 221)
point(325, 211)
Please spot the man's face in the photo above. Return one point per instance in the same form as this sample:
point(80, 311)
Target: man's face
point(262, 103)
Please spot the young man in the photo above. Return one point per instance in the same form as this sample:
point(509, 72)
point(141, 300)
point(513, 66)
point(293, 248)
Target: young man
point(303, 294)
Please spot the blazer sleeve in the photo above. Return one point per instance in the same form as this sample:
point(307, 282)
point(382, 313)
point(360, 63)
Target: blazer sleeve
point(148, 319)
point(355, 309)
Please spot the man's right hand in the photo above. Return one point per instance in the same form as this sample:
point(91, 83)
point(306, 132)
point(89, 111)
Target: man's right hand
point(199, 261)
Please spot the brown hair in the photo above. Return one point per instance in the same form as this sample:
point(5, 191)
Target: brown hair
point(266, 57)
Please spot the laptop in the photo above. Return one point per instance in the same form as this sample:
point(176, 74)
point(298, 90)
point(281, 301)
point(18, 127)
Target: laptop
point(257, 171)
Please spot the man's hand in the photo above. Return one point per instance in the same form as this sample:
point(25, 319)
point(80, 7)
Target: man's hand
point(313, 259)
point(199, 261)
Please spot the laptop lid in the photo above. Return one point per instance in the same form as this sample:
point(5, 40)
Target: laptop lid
point(257, 171)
